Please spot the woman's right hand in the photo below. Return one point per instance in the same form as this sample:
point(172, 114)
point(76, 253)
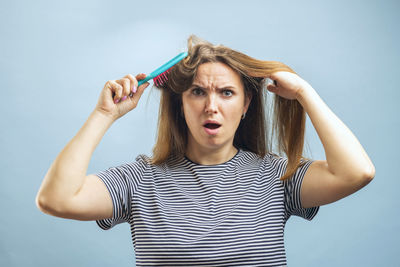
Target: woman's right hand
point(118, 97)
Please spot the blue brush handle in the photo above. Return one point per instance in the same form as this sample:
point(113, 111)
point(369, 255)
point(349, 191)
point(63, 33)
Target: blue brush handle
point(163, 68)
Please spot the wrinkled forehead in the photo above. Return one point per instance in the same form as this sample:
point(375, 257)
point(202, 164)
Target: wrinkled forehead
point(216, 74)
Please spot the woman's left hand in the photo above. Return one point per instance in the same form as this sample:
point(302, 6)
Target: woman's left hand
point(288, 85)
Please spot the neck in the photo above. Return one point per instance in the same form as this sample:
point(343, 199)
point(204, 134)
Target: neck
point(209, 156)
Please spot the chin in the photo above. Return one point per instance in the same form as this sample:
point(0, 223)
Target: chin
point(211, 142)
point(215, 143)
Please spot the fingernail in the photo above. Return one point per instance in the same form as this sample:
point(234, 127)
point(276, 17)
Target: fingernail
point(116, 100)
point(134, 89)
point(124, 98)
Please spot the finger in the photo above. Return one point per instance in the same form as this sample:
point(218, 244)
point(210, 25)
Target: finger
point(116, 89)
point(135, 98)
point(272, 88)
point(138, 77)
point(134, 83)
point(275, 75)
point(126, 85)
point(270, 80)
point(141, 76)
point(109, 87)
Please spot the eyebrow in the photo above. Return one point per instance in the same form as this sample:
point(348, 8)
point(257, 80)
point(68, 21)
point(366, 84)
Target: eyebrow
point(219, 88)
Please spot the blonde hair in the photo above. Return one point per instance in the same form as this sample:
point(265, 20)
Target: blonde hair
point(288, 122)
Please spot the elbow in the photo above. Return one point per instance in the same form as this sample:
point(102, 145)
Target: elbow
point(42, 204)
point(367, 176)
point(359, 179)
point(370, 173)
point(47, 206)
point(42, 200)
point(54, 207)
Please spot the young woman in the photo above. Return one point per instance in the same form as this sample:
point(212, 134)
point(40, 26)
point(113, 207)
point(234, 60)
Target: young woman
point(213, 193)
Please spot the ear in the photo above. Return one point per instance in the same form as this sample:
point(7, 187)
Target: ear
point(247, 101)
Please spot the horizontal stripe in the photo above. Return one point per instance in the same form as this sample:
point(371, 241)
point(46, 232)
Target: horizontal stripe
point(185, 214)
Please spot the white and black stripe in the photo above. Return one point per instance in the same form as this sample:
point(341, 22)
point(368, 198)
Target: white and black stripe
point(185, 214)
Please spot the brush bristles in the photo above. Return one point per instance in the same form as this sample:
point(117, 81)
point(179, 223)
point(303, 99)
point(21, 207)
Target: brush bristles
point(162, 78)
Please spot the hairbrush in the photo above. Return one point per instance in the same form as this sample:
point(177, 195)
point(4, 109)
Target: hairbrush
point(159, 76)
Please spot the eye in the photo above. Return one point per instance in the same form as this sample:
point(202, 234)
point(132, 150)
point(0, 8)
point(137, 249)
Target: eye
point(227, 92)
point(197, 91)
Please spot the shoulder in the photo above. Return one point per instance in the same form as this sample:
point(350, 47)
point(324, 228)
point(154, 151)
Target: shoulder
point(130, 168)
point(267, 164)
point(274, 158)
point(270, 158)
point(279, 164)
point(143, 159)
point(278, 161)
point(146, 163)
point(275, 162)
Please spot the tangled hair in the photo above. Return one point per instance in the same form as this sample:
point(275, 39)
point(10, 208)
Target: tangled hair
point(252, 134)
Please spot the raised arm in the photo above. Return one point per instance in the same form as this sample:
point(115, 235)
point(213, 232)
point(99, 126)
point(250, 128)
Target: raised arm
point(347, 167)
point(67, 191)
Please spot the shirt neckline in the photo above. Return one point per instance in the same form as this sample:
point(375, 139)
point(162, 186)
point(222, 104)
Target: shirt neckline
point(233, 159)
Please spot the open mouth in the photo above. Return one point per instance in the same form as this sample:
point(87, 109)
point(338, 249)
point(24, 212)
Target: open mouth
point(212, 125)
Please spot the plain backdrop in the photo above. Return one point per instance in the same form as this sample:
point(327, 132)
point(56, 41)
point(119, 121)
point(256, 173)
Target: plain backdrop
point(56, 57)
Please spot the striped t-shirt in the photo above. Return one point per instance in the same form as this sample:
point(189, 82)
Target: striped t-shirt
point(185, 214)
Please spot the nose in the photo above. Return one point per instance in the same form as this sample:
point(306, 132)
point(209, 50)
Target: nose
point(211, 104)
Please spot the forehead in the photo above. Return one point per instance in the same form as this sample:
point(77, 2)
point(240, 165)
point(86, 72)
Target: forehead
point(216, 74)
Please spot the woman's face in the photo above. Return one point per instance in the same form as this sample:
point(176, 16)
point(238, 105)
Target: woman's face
point(213, 106)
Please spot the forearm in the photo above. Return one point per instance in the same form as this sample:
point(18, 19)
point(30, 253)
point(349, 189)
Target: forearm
point(66, 174)
point(344, 154)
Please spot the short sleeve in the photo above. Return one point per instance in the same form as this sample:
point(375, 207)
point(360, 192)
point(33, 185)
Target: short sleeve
point(292, 188)
point(122, 183)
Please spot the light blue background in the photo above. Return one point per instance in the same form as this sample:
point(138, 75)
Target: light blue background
point(57, 55)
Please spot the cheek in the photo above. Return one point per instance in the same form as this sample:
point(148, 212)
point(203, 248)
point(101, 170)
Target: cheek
point(192, 110)
point(233, 111)
point(191, 107)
